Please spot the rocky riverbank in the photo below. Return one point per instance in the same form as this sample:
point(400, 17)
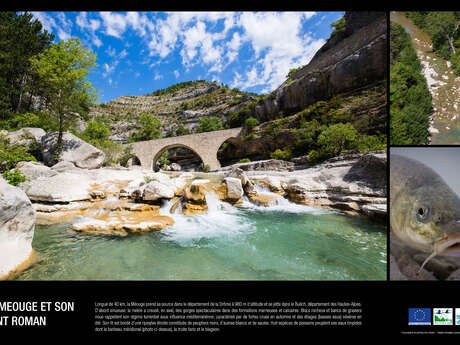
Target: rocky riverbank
point(122, 201)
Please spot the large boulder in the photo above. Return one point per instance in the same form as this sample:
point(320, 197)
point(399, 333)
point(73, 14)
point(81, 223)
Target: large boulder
point(234, 188)
point(74, 150)
point(26, 136)
point(17, 224)
point(63, 187)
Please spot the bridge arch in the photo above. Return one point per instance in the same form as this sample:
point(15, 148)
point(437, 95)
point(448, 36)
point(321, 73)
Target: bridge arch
point(172, 146)
point(205, 145)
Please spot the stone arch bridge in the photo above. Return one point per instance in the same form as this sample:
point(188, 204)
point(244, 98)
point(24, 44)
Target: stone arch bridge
point(205, 145)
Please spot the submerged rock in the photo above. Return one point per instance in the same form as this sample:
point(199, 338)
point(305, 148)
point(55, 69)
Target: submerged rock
point(118, 225)
point(17, 225)
point(264, 199)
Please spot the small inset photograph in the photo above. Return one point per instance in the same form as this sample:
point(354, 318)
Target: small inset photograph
point(424, 213)
point(425, 78)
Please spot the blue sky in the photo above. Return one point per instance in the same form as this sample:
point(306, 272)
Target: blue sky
point(140, 52)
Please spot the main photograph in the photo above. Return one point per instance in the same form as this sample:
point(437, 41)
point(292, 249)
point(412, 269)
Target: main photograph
point(193, 146)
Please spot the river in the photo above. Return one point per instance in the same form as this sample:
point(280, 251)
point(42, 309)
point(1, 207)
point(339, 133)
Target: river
point(442, 82)
point(282, 242)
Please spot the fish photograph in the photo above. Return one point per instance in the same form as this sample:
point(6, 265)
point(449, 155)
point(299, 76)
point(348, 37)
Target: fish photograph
point(424, 213)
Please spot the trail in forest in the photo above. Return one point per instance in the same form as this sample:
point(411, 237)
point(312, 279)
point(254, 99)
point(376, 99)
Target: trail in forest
point(442, 82)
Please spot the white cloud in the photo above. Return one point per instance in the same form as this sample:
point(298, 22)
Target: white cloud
point(47, 21)
point(157, 76)
point(176, 73)
point(91, 26)
point(62, 25)
point(111, 51)
point(117, 23)
point(279, 45)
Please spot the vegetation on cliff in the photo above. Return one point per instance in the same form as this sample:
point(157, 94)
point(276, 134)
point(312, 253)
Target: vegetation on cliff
point(410, 98)
point(322, 130)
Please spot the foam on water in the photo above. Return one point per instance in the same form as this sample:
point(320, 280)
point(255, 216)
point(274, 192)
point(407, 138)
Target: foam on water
point(221, 220)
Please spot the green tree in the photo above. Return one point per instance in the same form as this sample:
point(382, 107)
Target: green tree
point(337, 138)
point(251, 122)
point(95, 131)
point(149, 128)
point(209, 124)
point(339, 27)
point(181, 130)
point(63, 69)
point(21, 37)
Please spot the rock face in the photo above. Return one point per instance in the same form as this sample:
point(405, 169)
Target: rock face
point(346, 62)
point(74, 150)
point(17, 224)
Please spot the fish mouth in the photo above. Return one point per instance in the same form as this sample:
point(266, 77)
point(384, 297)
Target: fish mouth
point(449, 245)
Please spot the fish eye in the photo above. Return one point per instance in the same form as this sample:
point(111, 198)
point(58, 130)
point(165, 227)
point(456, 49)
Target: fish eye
point(422, 212)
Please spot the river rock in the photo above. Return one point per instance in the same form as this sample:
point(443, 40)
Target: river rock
point(26, 136)
point(74, 150)
point(246, 183)
point(234, 188)
point(262, 199)
point(115, 225)
point(155, 190)
point(17, 225)
point(195, 199)
point(175, 167)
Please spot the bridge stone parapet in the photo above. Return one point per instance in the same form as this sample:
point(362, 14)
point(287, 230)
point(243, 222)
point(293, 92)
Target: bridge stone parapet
point(205, 145)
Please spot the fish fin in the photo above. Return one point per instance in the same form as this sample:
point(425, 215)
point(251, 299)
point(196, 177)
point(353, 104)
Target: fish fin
point(432, 255)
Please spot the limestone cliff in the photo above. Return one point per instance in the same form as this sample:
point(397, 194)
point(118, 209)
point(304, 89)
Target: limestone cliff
point(353, 60)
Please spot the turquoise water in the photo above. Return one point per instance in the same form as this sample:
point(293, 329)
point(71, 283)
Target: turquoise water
point(283, 242)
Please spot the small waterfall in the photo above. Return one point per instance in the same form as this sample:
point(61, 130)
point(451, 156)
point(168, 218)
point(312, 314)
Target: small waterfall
point(213, 202)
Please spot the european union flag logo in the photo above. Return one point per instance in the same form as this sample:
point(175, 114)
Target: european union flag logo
point(419, 316)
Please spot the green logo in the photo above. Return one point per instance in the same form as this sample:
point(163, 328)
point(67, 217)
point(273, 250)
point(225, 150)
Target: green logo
point(443, 316)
